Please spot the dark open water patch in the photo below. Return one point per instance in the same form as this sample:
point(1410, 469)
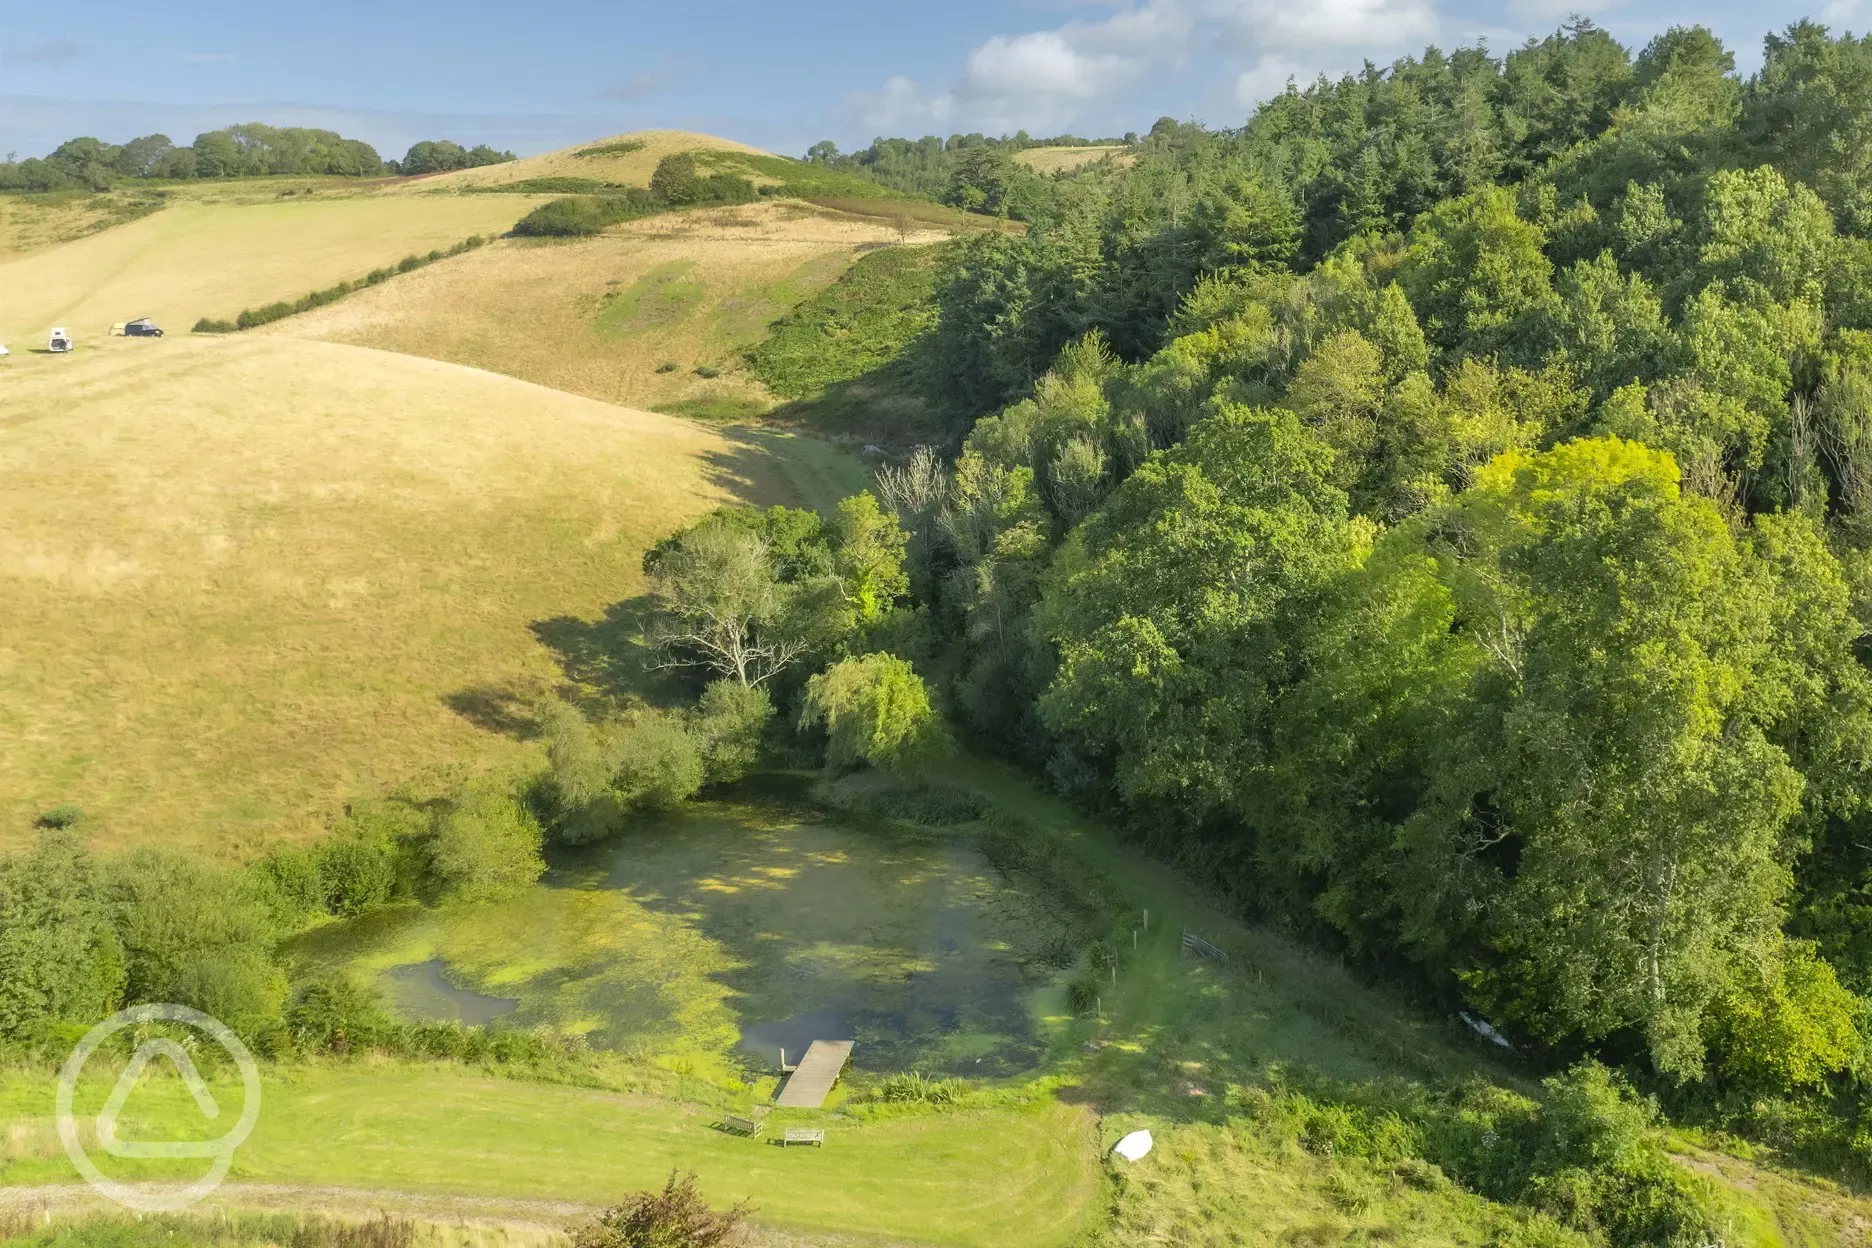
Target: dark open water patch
point(764, 1042)
point(420, 990)
point(892, 1040)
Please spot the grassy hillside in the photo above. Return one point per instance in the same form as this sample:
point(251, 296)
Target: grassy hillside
point(626, 159)
point(844, 358)
point(1061, 159)
point(213, 257)
point(32, 222)
point(629, 316)
point(243, 579)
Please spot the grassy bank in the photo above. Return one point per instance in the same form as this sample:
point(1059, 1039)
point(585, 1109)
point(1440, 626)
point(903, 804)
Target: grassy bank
point(843, 359)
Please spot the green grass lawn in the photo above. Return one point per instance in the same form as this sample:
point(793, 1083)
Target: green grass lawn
point(1008, 1176)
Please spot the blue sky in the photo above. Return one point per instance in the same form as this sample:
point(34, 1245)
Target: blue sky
point(781, 74)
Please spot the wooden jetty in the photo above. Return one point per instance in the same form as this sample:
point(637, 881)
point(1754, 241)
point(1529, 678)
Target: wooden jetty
point(811, 1080)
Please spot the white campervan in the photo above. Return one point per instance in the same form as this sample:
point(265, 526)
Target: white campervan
point(60, 341)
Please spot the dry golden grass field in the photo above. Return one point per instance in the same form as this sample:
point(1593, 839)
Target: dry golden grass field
point(601, 316)
point(1060, 159)
point(243, 579)
point(202, 257)
point(605, 160)
point(31, 222)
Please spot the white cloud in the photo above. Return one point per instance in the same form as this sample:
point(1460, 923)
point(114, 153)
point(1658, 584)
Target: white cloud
point(899, 106)
point(1340, 23)
point(1267, 79)
point(1042, 79)
point(1042, 64)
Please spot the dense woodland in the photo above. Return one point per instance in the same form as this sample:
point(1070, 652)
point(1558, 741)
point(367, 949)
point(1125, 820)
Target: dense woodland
point(245, 151)
point(1437, 515)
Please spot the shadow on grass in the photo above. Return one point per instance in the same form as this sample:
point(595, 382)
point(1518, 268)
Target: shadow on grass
point(506, 710)
point(605, 661)
point(880, 406)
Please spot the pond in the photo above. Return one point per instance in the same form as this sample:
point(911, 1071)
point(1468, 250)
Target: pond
point(735, 928)
point(421, 991)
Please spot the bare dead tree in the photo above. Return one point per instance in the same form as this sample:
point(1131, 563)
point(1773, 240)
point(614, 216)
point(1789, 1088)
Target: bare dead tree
point(917, 488)
point(1803, 442)
point(723, 607)
point(1700, 470)
point(1844, 432)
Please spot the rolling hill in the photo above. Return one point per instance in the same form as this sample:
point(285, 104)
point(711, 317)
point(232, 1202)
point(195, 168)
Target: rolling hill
point(627, 159)
point(628, 316)
point(242, 580)
point(207, 256)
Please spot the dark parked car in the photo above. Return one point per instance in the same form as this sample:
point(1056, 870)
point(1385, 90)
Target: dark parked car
point(144, 328)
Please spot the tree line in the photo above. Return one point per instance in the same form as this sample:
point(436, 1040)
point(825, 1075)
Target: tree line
point(974, 172)
point(251, 150)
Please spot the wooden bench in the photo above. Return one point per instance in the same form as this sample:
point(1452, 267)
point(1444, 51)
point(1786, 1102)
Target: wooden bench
point(804, 1135)
point(738, 1125)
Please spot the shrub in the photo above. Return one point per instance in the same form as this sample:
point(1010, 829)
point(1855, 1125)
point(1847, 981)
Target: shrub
point(64, 815)
point(730, 721)
point(913, 1087)
point(550, 186)
point(679, 182)
point(291, 878)
point(580, 807)
point(708, 371)
point(252, 318)
point(623, 147)
point(668, 366)
point(60, 959)
point(334, 1014)
point(1789, 1025)
point(578, 215)
point(658, 763)
point(724, 188)
point(875, 710)
point(675, 178)
point(358, 867)
point(486, 845)
point(676, 1217)
point(199, 934)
